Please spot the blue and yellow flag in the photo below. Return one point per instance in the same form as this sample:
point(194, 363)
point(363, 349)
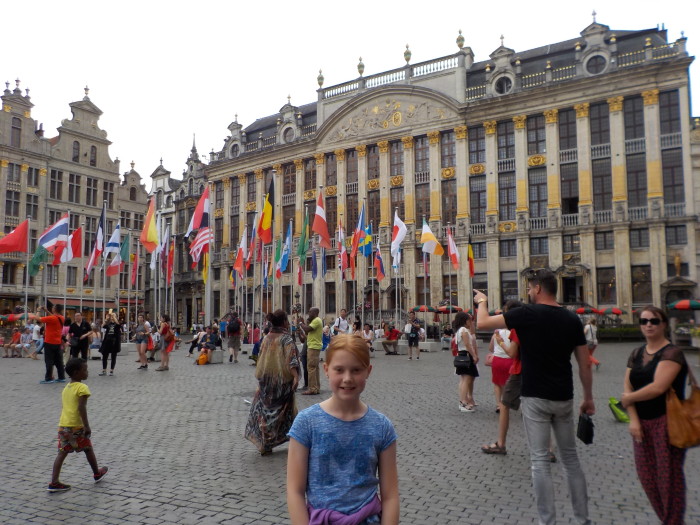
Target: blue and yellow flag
point(365, 246)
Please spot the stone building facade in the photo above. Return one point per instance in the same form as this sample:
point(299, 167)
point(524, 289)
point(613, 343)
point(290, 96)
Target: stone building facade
point(579, 156)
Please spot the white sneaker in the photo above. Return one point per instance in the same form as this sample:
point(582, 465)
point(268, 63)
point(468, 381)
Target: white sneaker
point(465, 408)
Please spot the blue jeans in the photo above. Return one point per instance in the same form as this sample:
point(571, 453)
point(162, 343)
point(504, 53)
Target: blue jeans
point(540, 417)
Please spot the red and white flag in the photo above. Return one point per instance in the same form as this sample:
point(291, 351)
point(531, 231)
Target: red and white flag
point(452, 252)
point(342, 251)
point(70, 251)
point(201, 241)
point(320, 225)
point(242, 254)
point(98, 246)
point(398, 234)
point(300, 274)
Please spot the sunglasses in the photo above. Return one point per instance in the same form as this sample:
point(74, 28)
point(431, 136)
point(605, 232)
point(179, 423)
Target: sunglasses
point(655, 321)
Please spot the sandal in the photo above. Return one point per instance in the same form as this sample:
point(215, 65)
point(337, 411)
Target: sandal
point(494, 448)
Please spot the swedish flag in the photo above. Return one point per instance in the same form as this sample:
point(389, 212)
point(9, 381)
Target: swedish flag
point(365, 244)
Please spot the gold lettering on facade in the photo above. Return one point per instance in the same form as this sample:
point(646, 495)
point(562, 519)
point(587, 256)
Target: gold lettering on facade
point(582, 109)
point(615, 103)
point(383, 146)
point(461, 132)
point(551, 116)
point(433, 137)
point(477, 169)
point(490, 127)
point(520, 121)
point(650, 97)
point(407, 142)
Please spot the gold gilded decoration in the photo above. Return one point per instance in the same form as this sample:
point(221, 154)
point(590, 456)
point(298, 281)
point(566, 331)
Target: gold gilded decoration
point(490, 126)
point(461, 132)
point(6, 108)
point(27, 114)
point(89, 292)
point(520, 121)
point(258, 174)
point(331, 191)
point(218, 213)
point(551, 116)
point(339, 154)
point(397, 180)
point(232, 256)
point(227, 183)
point(24, 168)
point(407, 142)
point(433, 137)
point(477, 169)
point(615, 103)
point(241, 178)
point(582, 109)
point(42, 172)
point(250, 206)
point(20, 266)
point(383, 146)
point(650, 97)
point(32, 190)
point(361, 150)
point(396, 118)
point(4, 163)
point(190, 202)
point(122, 292)
point(298, 164)
point(277, 167)
point(385, 124)
point(70, 290)
point(309, 195)
point(373, 184)
point(536, 160)
point(320, 158)
point(448, 173)
point(507, 227)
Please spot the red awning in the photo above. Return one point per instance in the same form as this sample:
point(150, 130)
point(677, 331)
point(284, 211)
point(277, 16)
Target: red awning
point(132, 301)
point(87, 303)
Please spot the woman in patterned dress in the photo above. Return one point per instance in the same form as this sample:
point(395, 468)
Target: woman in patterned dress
point(274, 408)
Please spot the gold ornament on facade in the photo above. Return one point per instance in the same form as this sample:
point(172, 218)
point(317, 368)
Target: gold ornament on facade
point(298, 164)
point(218, 213)
point(582, 109)
point(551, 116)
point(320, 158)
point(309, 195)
point(397, 180)
point(277, 167)
point(4, 163)
point(433, 137)
point(6, 108)
point(650, 97)
point(241, 178)
point(89, 292)
point(339, 154)
point(70, 290)
point(227, 183)
point(461, 132)
point(507, 227)
point(373, 184)
point(331, 190)
point(407, 142)
point(42, 172)
point(190, 202)
point(385, 124)
point(250, 206)
point(448, 173)
point(490, 127)
point(536, 160)
point(361, 150)
point(20, 266)
point(520, 121)
point(477, 169)
point(258, 174)
point(383, 146)
point(27, 114)
point(396, 118)
point(615, 103)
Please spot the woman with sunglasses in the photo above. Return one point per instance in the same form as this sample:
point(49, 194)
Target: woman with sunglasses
point(651, 370)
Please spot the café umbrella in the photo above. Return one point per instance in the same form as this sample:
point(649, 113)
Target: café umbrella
point(612, 311)
point(684, 304)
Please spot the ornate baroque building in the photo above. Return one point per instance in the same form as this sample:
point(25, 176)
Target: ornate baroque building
point(578, 156)
point(42, 178)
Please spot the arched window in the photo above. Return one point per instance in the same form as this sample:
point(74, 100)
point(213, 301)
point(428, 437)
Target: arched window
point(16, 136)
point(76, 151)
point(132, 194)
point(169, 202)
point(190, 187)
point(159, 200)
point(201, 189)
point(93, 156)
point(182, 194)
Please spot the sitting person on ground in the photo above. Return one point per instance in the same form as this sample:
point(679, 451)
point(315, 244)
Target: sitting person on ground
point(195, 342)
point(11, 347)
point(206, 345)
point(391, 340)
point(25, 344)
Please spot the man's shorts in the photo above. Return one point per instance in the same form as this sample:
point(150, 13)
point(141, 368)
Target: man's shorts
point(511, 392)
point(234, 341)
point(72, 439)
point(413, 340)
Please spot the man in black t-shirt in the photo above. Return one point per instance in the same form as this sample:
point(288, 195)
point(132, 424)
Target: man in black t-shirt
point(548, 335)
point(79, 332)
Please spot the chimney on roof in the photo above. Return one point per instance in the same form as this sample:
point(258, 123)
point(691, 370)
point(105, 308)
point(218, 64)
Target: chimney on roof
point(39, 132)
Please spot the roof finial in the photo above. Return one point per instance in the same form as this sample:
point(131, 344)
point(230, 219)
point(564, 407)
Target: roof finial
point(289, 99)
point(17, 82)
point(501, 40)
point(161, 161)
point(132, 164)
point(87, 90)
point(194, 146)
point(235, 118)
point(594, 15)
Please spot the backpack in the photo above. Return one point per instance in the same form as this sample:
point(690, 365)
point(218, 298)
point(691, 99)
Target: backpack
point(203, 359)
point(233, 327)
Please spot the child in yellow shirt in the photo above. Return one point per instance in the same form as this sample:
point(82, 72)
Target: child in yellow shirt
point(73, 427)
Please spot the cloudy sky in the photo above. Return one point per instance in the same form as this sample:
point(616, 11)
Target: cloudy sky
point(162, 71)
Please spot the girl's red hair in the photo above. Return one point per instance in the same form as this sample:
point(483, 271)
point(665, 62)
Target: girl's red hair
point(356, 345)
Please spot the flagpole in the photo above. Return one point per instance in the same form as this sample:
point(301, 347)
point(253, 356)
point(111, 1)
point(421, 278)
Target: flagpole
point(207, 285)
point(82, 266)
point(341, 291)
point(26, 268)
point(104, 259)
point(369, 271)
point(128, 285)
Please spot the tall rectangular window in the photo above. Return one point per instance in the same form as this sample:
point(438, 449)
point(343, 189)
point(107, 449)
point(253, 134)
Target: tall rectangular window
point(672, 173)
point(89, 234)
point(252, 186)
point(289, 181)
point(397, 201)
point(569, 188)
point(676, 234)
point(12, 203)
point(74, 221)
point(539, 246)
point(604, 240)
point(509, 286)
point(218, 233)
point(639, 238)
point(51, 274)
point(506, 196)
point(448, 150)
point(331, 170)
point(332, 214)
point(449, 201)
point(218, 194)
point(396, 158)
point(508, 248)
point(477, 145)
point(641, 284)
point(16, 133)
point(479, 249)
point(602, 184)
point(599, 121)
point(636, 180)
point(422, 198)
point(108, 194)
point(74, 188)
point(138, 221)
point(310, 174)
point(506, 140)
point(72, 276)
point(56, 185)
point(374, 209)
point(567, 129)
point(669, 112)
point(607, 285)
point(633, 108)
point(351, 165)
point(421, 152)
point(353, 213)
point(90, 191)
point(536, 139)
point(571, 243)
point(125, 219)
point(372, 162)
point(477, 198)
point(235, 191)
point(537, 189)
point(13, 172)
point(32, 206)
point(33, 177)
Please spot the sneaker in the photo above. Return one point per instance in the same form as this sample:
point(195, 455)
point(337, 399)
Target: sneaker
point(58, 487)
point(45, 382)
point(60, 381)
point(100, 474)
point(143, 367)
point(111, 372)
point(103, 373)
point(235, 360)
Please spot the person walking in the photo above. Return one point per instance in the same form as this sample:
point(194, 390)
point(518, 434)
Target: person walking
point(79, 333)
point(341, 324)
point(313, 329)
point(548, 335)
point(95, 341)
point(233, 333)
point(53, 326)
point(111, 343)
point(167, 342)
point(652, 369)
point(141, 334)
point(591, 333)
point(467, 372)
point(412, 330)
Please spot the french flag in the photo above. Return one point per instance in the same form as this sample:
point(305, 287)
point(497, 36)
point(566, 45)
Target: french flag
point(55, 236)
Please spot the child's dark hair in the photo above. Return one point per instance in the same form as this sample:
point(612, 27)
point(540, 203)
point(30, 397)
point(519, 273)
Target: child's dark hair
point(74, 364)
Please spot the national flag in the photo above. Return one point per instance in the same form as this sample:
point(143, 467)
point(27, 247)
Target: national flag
point(232, 278)
point(265, 269)
point(320, 225)
point(314, 262)
point(171, 263)
point(342, 251)
point(352, 261)
point(278, 258)
point(164, 246)
point(300, 274)
point(366, 242)
point(115, 242)
point(265, 224)
point(117, 264)
point(324, 266)
point(98, 247)
point(41, 256)
point(470, 256)
point(396, 261)
point(249, 254)
point(359, 233)
point(452, 252)
point(286, 251)
point(430, 242)
point(200, 217)
point(379, 264)
point(205, 269)
point(242, 254)
point(398, 234)
point(157, 254)
point(72, 249)
point(304, 239)
point(149, 234)
point(17, 239)
point(134, 269)
point(200, 245)
point(56, 235)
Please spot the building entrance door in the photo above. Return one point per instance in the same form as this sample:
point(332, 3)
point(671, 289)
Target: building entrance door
point(572, 289)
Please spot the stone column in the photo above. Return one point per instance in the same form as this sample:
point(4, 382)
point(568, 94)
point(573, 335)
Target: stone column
point(551, 118)
point(617, 158)
point(299, 197)
point(319, 297)
point(408, 183)
point(434, 163)
point(585, 202)
point(340, 299)
point(361, 261)
point(491, 178)
point(461, 173)
point(384, 190)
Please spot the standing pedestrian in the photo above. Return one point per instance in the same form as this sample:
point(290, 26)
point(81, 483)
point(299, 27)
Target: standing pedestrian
point(167, 342)
point(95, 341)
point(79, 333)
point(591, 333)
point(412, 330)
point(53, 326)
point(468, 371)
point(141, 334)
point(313, 329)
point(233, 333)
point(38, 337)
point(548, 335)
point(341, 324)
point(111, 343)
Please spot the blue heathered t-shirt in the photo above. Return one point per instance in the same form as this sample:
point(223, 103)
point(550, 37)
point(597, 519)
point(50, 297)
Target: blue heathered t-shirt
point(343, 457)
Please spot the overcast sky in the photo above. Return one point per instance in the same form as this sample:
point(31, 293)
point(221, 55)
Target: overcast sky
point(162, 71)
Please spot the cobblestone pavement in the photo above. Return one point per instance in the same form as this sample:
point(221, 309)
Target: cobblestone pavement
point(173, 442)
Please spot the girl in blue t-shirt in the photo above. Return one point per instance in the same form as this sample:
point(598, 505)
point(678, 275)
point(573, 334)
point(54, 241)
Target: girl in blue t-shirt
point(341, 451)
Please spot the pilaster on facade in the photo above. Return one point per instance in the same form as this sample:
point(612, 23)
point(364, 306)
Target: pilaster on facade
point(462, 172)
point(617, 157)
point(491, 177)
point(408, 182)
point(435, 201)
point(553, 174)
point(585, 180)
